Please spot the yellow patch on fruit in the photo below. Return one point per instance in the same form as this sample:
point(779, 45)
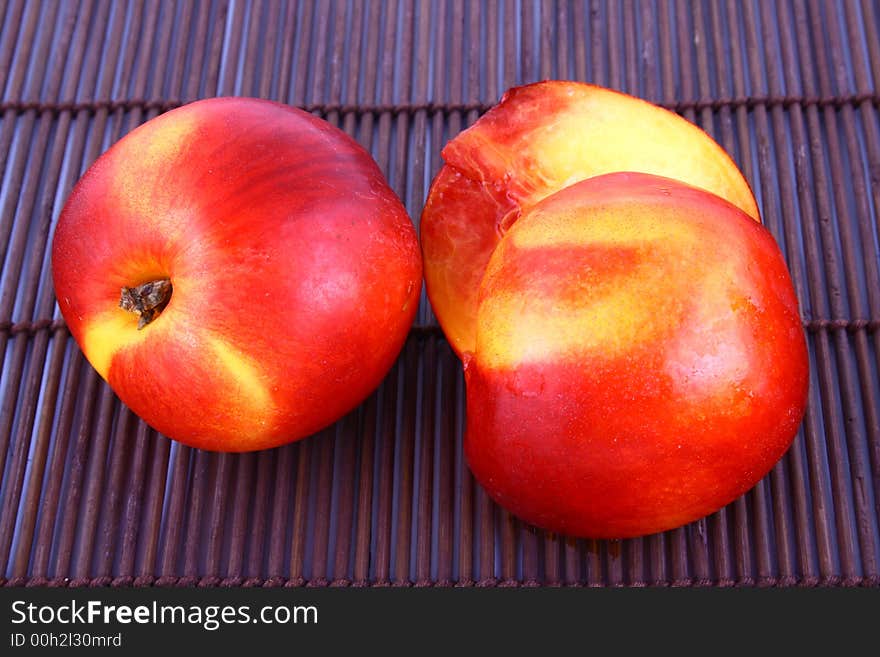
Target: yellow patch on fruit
point(617, 225)
point(107, 334)
point(168, 138)
point(137, 192)
point(244, 376)
point(649, 141)
point(512, 332)
point(623, 288)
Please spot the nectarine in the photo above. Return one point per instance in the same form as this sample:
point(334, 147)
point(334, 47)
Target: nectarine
point(639, 360)
point(239, 272)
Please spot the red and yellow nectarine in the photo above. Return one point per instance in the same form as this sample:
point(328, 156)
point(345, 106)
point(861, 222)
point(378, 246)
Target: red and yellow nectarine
point(639, 359)
point(273, 273)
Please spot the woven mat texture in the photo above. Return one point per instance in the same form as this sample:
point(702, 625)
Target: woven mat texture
point(90, 495)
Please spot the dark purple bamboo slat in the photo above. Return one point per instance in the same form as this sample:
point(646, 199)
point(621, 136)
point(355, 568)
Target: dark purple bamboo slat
point(385, 479)
point(300, 513)
point(404, 462)
point(366, 91)
point(192, 543)
point(869, 120)
point(258, 48)
point(363, 520)
point(178, 45)
point(210, 72)
point(320, 525)
point(247, 507)
point(131, 504)
point(91, 495)
point(20, 192)
point(39, 558)
point(248, 547)
point(281, 80)
point(229, 65)
point(215, 487)
point(72, 491)
point(175, 515)
point(344, 472)
point(423, 520)
point(148, 514)
point(843, 550)
point(32, 269)
point(417, 144)
point(281, 496)
point(29, 509)
point(349, 86)
point(756, 79)
point(856, 440)
point(91, 478)
point(108, 508)
point(21, 30)
point(813, 242)
point(9, 32)
point(303, 44)
point(448, 424)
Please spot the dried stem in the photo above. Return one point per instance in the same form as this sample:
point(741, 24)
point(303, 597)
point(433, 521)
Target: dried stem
point(147, 300)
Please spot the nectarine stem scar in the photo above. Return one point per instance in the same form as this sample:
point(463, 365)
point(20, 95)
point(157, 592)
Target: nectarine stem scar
point(147, 300)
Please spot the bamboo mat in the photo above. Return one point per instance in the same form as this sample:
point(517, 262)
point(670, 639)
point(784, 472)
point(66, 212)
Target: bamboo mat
point(92, 496)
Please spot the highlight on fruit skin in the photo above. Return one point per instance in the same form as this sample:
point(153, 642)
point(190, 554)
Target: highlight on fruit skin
point(239, 271)
point(537, 140)
point(639, 359)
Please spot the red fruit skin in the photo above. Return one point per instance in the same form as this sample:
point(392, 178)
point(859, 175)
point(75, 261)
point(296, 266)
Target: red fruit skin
point(682, 382)
point(296, 272)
